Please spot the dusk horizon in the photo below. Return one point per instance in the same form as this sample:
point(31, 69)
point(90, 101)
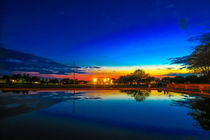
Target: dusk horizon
point(105, 69)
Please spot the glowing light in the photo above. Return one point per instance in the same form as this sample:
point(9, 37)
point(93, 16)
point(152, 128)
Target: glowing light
point(105, 79)
point(95, 80)
point(108, 79)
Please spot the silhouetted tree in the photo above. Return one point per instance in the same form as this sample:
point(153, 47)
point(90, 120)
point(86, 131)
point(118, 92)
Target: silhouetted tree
point(54, 81)
point(199, 60)
point(7, 78)
point(167, 80)
point(67, 81)
point(192, 79)
point(16, 76)
point(139, 75)
point(122, 80)
point(149, 79)
point(26, 77)
point(35, 79)
point(179, 79)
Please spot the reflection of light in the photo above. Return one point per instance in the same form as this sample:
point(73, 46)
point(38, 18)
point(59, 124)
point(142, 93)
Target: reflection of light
point(95, 80)
point(13, 80)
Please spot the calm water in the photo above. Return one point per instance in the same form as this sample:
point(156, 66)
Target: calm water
point(103, 114)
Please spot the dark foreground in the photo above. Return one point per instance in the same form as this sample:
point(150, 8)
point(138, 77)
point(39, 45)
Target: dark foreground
point(103, 114)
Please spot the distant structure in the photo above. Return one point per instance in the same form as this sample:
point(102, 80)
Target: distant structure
point(74, 71)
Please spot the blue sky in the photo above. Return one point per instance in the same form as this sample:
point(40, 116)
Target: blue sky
point(106, 32)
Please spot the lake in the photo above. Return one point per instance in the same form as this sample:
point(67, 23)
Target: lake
point(103, 114)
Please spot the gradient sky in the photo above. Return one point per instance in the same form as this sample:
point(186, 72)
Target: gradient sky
point(112, 34)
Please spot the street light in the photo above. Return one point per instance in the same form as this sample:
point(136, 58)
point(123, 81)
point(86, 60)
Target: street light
point(94, 79)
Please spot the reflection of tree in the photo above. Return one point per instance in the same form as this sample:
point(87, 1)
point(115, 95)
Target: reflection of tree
point(139, 95)
point(200, 110)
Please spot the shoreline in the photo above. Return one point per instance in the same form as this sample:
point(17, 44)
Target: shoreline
point(201, 93)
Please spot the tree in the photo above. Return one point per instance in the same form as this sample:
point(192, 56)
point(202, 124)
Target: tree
point(192, 79)
point(167, 80)
point(179, 79)
point(149, 79)
point(54, 81)
point(16, 76)
point(122, 80)
point(199, 60)
point(67, 81)
point(35, 79)
point(139, 75)
point(26, 77)
point(7, 78)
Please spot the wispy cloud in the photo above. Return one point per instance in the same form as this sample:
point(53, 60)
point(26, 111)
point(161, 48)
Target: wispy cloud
point(203, 37)
point(179, 74)
point(15, 61)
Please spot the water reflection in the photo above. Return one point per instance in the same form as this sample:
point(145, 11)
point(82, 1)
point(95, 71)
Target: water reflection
point(24, 92)
point(138, 95)
point(199, 106)
point(74, 100)
point(200, 110)
point(159, 110)
point(17, 102)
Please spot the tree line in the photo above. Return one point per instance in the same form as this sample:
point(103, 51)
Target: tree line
point(27, 79)
point(140, 77)
point(191, 79)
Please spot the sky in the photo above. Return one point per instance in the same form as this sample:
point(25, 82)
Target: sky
point(104, 37)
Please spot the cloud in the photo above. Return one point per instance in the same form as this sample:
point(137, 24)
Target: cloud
point(15, 61)
point(201, 37)
point(183, 23)
point(170, 68)
point(179, 74)
point(91, 67)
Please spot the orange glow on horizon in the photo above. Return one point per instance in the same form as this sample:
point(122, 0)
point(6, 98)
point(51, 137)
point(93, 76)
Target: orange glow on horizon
point(158, 71)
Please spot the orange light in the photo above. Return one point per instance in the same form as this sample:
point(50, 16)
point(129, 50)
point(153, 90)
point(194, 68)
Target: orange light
point(105, 80)
point(94, 79)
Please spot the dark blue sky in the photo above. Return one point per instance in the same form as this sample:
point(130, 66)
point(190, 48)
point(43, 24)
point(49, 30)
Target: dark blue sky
point(103, 32)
